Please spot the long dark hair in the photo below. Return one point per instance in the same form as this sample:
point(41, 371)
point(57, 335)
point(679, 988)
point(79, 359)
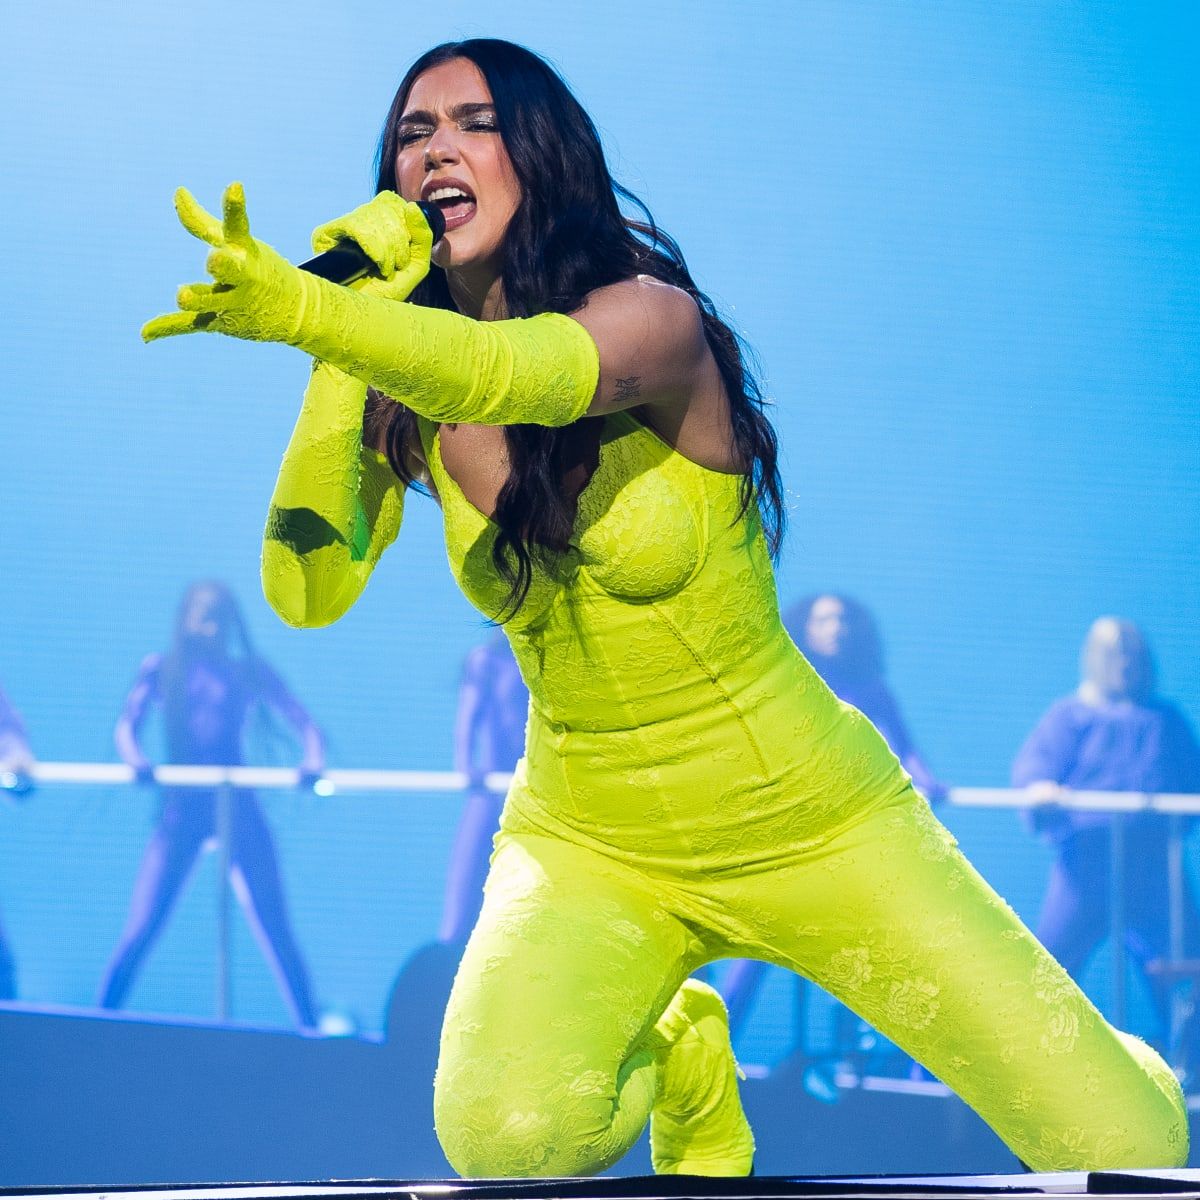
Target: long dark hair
point(861, 659)
point(173, 687)
point(567, 238)
point(263, 734)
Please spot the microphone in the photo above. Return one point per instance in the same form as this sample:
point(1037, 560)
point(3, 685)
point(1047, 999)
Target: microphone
point(346, 262)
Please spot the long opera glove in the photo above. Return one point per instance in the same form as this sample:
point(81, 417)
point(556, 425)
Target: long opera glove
point(444, 366)
point(337, 506)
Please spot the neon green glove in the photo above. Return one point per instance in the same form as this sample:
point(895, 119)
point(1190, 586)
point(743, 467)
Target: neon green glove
point(446, 367)
point(337, 506)
point(393, 234)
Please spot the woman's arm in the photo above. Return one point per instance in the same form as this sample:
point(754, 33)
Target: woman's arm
point(632, 343)
point(469, 716)
point(15, 754)
point(467, 868)
point(271, 689)
point(1047, 753)
point(885, 714)
point(649, 342)
point(337, 506)
point(653, 353)
point(143, 693)
point(1041, 765)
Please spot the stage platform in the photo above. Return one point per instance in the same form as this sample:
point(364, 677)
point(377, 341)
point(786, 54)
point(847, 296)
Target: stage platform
point(1141, 1184)
point(94, 1100)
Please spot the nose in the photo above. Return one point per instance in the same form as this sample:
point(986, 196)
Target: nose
point(442, 147)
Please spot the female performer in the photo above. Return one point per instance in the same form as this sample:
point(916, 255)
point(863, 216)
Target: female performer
point(208, 685)
point(690, 789)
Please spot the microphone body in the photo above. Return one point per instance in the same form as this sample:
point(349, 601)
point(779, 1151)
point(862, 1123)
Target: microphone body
point(346, 262)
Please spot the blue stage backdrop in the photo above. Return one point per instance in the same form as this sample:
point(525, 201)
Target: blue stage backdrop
point(964, 240)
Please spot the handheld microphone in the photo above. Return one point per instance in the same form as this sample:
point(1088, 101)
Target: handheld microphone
point(346, 262)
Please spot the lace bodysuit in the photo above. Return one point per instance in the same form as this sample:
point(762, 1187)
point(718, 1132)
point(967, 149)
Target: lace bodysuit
point(672, 720)
point(691, 790)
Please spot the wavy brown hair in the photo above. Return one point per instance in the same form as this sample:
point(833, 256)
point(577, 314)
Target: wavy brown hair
point(567, 238)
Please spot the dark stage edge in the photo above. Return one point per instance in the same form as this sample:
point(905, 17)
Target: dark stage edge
point(1175, 1184)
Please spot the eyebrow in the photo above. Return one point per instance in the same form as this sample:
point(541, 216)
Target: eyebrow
point(421, 117)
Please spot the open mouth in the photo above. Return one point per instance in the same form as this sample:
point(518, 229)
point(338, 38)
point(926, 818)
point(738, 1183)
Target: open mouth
point(456, 203)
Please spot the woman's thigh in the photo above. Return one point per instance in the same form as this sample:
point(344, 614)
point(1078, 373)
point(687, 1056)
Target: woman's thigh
point(547, 1050)
point(893, 920)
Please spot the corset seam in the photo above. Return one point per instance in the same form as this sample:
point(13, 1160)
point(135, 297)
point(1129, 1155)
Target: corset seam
point(732, 704)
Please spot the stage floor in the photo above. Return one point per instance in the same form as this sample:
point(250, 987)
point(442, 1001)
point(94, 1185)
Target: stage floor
point(1175, 1184)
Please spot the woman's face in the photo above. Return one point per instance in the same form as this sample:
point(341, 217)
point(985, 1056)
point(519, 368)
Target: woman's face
point(827, 629)
point(204, 625)
point(1116, 659)
point(451, 153)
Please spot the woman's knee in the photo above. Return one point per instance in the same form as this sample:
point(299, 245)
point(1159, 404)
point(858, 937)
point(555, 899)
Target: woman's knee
point(1158, 1118)
point(1136, 1118)
point(491, 1131)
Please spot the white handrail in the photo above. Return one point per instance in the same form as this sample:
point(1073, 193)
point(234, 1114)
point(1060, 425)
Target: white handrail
point(365, 780)
point(257, 777)
point(1093, 801)
point(331, 782)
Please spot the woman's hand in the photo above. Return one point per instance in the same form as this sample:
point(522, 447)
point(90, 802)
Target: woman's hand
point(1046, 816)
point(256, 294)
point(394, 234)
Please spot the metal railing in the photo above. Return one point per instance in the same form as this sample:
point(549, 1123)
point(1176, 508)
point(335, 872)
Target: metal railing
point(224, 779)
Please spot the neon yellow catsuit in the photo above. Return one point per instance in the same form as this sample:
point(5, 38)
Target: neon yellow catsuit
point(691, 790)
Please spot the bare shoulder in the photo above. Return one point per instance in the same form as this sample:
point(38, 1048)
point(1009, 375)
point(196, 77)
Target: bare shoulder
point(651, 344)
point(669, 308)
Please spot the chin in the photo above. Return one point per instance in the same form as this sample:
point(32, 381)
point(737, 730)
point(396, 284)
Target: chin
point(461, 257)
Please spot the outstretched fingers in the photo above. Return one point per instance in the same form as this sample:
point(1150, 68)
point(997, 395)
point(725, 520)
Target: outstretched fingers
point(234, 227)
point(201, 302)
point(172, 324)
point(196, 219)
point(204, 297)
point(237, 224)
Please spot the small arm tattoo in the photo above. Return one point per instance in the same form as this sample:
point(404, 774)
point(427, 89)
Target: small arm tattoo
point(628, 389)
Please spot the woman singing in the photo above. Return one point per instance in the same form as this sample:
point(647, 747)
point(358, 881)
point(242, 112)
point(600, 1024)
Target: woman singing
point(690, 789)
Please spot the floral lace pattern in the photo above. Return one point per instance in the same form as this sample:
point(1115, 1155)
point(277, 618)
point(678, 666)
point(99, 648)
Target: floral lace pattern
point(691, 790)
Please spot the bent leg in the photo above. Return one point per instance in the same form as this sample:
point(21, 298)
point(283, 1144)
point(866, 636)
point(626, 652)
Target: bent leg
point(893, 920)
point(165, 867)
point(1074, 917)
point(256, 873)
point(740, 989)
point(8, 969)
point(549, 1057)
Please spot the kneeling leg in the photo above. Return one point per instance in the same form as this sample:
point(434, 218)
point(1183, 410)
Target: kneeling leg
point(549, 1058)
